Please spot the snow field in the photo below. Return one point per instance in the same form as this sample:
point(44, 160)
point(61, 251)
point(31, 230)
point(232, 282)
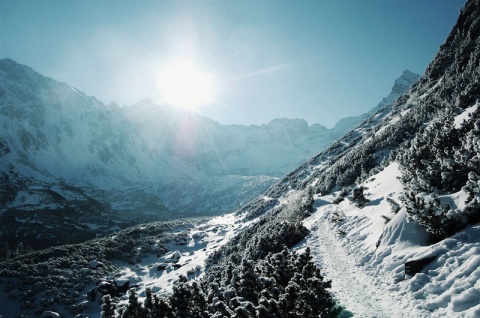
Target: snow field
point(464, 116)
point(184, 257)
point(365, 257)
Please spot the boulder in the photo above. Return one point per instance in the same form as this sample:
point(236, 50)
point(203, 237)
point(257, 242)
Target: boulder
point(175, 257)
point(106, 287)
point(123, 285)
point(415, 266)
point(95, 264)
point(181, 241)
point(162, 266)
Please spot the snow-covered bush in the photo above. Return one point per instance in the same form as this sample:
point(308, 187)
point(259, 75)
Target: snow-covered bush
point(58, 275)
point(359, 197)
point(108, 309)
point(283, 284)
point(443, 160)
point(265, 236)
point(394, 205)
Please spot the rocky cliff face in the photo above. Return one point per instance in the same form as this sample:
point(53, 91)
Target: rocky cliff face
point(437, 103)
point(61, 150)
point(401, 85)
point(373, 197)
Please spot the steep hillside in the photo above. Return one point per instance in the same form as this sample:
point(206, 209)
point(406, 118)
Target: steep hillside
point(401, 85)
point(389, 213)
point(394, 211)
point(70, 164)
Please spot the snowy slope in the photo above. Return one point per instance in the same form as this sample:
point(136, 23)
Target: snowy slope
point(352, 196)
point(137, 163)
point(367, 267)
point(185, 255)
point(401, 85)
point(188, 254)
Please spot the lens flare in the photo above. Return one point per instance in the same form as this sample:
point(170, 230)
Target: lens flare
point(183, 85)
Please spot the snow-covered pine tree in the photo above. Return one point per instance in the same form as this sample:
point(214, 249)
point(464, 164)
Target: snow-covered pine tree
point(249, 282)
point(180, 300)
point(134, 307)
point(359, 197)
point(108, 308)
point(284, 284)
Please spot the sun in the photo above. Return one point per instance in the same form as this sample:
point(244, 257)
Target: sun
point(183, 85)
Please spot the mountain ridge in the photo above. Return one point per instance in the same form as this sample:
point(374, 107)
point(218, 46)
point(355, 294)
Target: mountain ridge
point(53, 132)
point(398, 196)
point(390, 212)
point(400, 85)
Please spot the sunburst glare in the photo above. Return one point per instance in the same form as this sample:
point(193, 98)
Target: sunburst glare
point(182, 84)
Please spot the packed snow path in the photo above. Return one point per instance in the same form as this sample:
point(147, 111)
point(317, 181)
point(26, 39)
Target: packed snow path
point(351, 286)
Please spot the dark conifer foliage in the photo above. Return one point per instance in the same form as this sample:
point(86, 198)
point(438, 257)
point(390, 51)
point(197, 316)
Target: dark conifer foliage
point(254, 275)
point(280, 285)
point(278, 227)
point(440, 161)
point(108, 309)
point(359, 197)
point(417, 130)
point(60, 275)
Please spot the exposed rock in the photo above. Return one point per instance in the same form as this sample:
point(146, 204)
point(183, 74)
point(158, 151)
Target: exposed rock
point(106, 287)
point(175, 257)
point(162, 266)
point(96, 264)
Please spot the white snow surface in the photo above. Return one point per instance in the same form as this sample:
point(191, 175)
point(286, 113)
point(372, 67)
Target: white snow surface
point(190, 254)
point(363, 252)
point(365, 258)
point(464, 116)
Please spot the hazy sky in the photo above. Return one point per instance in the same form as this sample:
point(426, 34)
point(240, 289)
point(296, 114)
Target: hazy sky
point(318, 60)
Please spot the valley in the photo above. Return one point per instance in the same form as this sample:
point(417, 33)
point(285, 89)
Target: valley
point(378, 217)
point(69, 161)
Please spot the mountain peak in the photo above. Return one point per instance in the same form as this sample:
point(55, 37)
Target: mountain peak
point(7, 60)
point(400, 85)
point(404, 82)
point(17, 72)
point(407, 73)
point(289, 122)
point(11, 65)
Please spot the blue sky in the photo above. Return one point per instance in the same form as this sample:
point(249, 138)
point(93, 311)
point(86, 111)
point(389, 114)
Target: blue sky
point(317, 60)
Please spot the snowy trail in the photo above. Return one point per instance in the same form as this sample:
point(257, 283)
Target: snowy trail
point(354, 289)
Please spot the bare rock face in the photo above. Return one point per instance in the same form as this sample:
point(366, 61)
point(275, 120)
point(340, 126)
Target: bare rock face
point(404, 82)
point(401, 85)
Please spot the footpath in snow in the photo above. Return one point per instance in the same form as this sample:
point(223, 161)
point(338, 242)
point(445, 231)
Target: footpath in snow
point(355, 290)
point(363, 250)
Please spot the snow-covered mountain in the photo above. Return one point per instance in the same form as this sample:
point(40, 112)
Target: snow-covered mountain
point(389, 213)
point(399, 87)
point(394, 204)
point(104, 166)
